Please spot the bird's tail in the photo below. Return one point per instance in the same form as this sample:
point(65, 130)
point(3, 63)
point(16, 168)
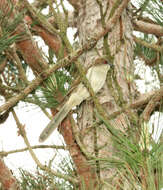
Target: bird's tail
point(54, 123)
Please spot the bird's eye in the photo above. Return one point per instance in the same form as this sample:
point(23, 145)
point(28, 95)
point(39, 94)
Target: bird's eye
point(110, 64)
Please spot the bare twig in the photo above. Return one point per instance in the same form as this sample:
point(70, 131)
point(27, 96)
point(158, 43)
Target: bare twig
point(6, 153)
point(33, 155)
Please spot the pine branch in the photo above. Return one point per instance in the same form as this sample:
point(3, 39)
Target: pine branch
point(148, 28)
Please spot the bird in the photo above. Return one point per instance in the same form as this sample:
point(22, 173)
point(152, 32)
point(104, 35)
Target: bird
point(96, 75)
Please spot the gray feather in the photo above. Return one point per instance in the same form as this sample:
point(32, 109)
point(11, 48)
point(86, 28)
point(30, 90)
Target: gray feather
point(54, 123)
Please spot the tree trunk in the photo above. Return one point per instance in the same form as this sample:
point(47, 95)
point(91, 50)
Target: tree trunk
point(118, 89)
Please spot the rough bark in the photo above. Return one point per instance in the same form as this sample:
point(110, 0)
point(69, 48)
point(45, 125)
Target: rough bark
point(120, 42)
point(6, 177)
